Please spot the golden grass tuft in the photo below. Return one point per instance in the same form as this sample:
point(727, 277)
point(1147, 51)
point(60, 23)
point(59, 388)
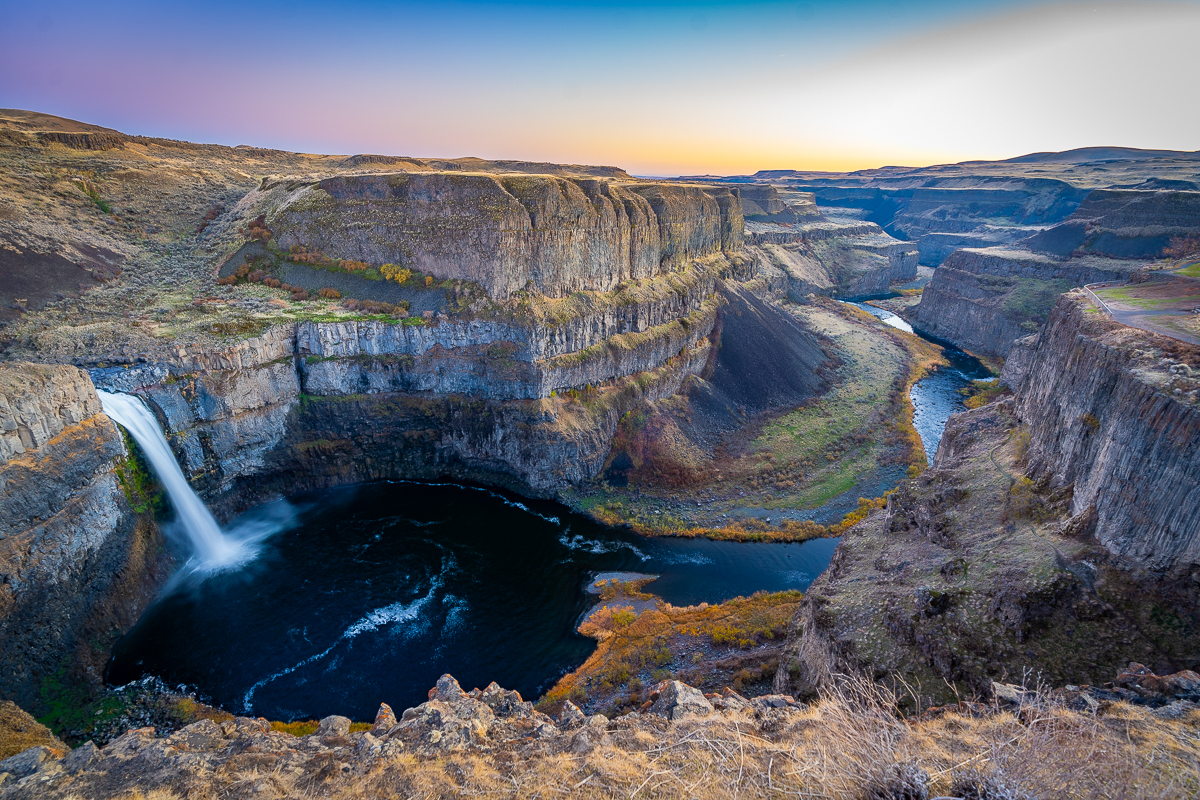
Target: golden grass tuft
point(19, 732)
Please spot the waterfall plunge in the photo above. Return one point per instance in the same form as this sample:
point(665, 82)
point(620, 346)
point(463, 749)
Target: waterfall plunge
point(211, 548)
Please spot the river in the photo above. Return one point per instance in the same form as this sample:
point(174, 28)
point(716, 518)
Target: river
point(936, 396)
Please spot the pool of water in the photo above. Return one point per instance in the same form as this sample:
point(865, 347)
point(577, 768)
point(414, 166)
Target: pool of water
point(371, 592)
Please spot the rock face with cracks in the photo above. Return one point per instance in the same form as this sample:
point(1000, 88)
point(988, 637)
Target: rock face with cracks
point(452, 722)
point(550, 234)
point(1113, 412)
point(75, 558)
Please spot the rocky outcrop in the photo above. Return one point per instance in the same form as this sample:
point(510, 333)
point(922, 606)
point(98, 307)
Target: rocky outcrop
point(209, 755)
point(934, 247)
point(984, 300)
point(847, 259)
point(763, 203)
point(973, 572)
point(1112, 411)
point(940, 213)
point(507, 233)
point(75, 559)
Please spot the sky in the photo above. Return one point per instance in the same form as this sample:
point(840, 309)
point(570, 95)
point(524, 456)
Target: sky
point(658, 88)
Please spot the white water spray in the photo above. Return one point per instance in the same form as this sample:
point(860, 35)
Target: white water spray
point(212, 549)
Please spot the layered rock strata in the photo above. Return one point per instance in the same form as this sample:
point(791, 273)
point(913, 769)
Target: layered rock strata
point(1113, 412)
point(1123, 223)
point(848, 259)
point(1058, 531)
point(764, 203)
point(984, 300)
point(550, 234)
point(75, 559)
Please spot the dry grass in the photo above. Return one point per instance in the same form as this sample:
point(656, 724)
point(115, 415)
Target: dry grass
point(19, 731)
point(308, 727)
point(704, 645)
point(851, 744)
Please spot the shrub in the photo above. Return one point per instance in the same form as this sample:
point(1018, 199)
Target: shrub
point(228, 280)
point(297, 728)
point(428, 281)
point(329, 294)
point(624, 617)
point(1182, 246)
point(353, 266)
point(299, 296)
point(257, 229)
point(256, 276)
point(272, 282)
point(392, 272)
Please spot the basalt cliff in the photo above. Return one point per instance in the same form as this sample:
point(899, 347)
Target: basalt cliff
point(466, 320)
point(1056, 533)
point(80, 556)
point(299, 322)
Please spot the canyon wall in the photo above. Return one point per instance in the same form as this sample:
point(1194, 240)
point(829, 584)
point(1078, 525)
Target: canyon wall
point(1057, 531)
point(938, 215)
point(984, 300)
point(77, 560)
point(846, 259)
point(550, 234)
point(1123, 223)
point(1113, 412)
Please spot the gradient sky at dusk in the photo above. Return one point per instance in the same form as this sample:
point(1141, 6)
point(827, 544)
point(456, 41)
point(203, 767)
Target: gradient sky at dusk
point(660, 88)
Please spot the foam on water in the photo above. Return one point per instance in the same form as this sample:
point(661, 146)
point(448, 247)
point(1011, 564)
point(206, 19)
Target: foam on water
point(368, 623)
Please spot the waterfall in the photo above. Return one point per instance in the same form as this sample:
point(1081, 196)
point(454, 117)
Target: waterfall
point(211, 548)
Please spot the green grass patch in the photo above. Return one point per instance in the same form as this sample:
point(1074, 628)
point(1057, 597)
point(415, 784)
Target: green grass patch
point(1030, 300)
point(1125, 294)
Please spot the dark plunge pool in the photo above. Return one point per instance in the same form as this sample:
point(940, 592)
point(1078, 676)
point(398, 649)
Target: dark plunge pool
point(372, 592)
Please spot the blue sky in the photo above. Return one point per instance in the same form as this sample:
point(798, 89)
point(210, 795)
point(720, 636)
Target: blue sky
point(659, 88)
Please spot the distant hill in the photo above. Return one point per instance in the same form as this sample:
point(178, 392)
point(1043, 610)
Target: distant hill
point(17, 119)
point(1082, 155)
point(49, 129)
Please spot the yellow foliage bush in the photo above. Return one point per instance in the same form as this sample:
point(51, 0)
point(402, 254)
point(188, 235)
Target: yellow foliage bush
point(394, 272)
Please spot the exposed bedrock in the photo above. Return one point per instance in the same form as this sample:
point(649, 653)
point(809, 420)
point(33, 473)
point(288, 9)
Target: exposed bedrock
point(939, 214)
point(984, 300)
point(846, 259)
point(763, 203)
point(77, 562)
point(973, 573)
point(466, 400)
point(1112, 411)
point(507, 232)
point(1123, 223)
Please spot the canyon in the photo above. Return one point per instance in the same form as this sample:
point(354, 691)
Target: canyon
point(667, 355)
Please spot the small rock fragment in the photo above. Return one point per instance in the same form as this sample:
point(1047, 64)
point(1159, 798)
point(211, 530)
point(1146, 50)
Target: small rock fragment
point(571, 716)
point(81, 757)
point(385, 720)
point(333, 725)
point(675, 700)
